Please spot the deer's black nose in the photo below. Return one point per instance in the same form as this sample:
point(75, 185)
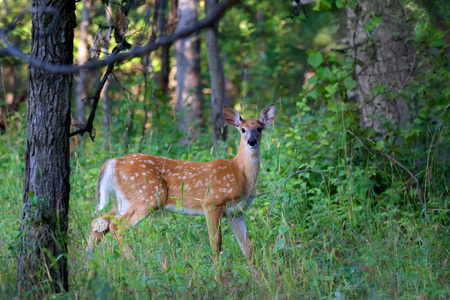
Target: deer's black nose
point(252, 141)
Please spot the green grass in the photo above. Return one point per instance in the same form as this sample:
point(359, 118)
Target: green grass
point(318, 240)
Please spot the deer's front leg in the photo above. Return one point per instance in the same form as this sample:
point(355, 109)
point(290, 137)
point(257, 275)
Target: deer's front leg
point(213, 217)
point(239, 228)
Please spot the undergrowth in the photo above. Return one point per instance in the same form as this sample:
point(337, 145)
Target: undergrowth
point(330, 220)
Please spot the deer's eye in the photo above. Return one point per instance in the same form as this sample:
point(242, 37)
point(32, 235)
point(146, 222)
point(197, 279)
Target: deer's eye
point(259, 129)
point(243, 130)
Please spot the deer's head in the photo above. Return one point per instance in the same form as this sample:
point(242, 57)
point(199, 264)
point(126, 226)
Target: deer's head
point(251, 129)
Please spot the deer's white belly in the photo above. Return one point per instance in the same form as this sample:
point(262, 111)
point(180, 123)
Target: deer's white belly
point(182, 210)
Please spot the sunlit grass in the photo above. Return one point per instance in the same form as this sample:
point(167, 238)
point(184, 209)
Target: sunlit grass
point(303, 249)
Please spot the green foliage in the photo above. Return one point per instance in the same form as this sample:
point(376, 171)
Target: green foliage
point(336, 216)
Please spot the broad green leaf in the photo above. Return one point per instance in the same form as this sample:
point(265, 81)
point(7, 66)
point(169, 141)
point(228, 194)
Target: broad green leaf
point(315, 59)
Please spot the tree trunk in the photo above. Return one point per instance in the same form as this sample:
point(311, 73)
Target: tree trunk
point(106, 105)
point(166, 28)
point(42, 253)
point(217, 78)
point(382, 56)
point(83, 56)
point(106, 102)
point(188, 90)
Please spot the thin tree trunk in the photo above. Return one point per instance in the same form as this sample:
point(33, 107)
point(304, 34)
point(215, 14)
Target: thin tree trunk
point(187, 54)
point(106, 102)
point(217, 78)
point(83, 56)
point(42, 253)
point(106, 105)
point(13, 93)
point(166, 29)
point(381, 57)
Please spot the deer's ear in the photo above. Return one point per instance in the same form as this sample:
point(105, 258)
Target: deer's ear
point(232, 117)
point(268, 115)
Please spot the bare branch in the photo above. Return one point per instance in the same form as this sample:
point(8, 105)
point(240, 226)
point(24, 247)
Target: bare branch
point(88, 126)
point(135, 52)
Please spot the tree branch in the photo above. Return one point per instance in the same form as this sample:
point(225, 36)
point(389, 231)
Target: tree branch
point(137, 51)
point(88, 126)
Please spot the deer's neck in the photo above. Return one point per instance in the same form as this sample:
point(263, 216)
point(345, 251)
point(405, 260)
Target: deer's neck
point(247, 164)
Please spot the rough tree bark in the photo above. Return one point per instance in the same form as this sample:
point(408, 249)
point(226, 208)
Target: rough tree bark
point(187, 54)
point(383, 56)
point(217, 77)
point(42, 253)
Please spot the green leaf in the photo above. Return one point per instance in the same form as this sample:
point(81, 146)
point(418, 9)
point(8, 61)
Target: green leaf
point(312, 80)
point(349, 83)
point(105, 2)
point(332, 106)
point(313, 94)
point(315, 59)
point(324, 142)
point(324, 73)
point(283, 229)
point(379, 145)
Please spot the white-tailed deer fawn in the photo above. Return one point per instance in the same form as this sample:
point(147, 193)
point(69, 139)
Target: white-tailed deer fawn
point(143, 182)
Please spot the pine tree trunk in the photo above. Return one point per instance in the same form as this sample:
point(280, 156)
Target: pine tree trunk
point(217, 78)
point(187, 54)
point(42, 253)
point(381, 56)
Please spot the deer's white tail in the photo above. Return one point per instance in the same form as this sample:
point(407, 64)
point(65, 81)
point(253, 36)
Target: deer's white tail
point(106, 184)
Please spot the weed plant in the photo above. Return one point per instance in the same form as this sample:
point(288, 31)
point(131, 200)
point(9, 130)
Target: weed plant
point(331, 220)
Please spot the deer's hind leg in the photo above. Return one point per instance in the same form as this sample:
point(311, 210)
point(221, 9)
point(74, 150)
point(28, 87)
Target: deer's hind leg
point(99, 228)
point(133, 216)
point(147, 197)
